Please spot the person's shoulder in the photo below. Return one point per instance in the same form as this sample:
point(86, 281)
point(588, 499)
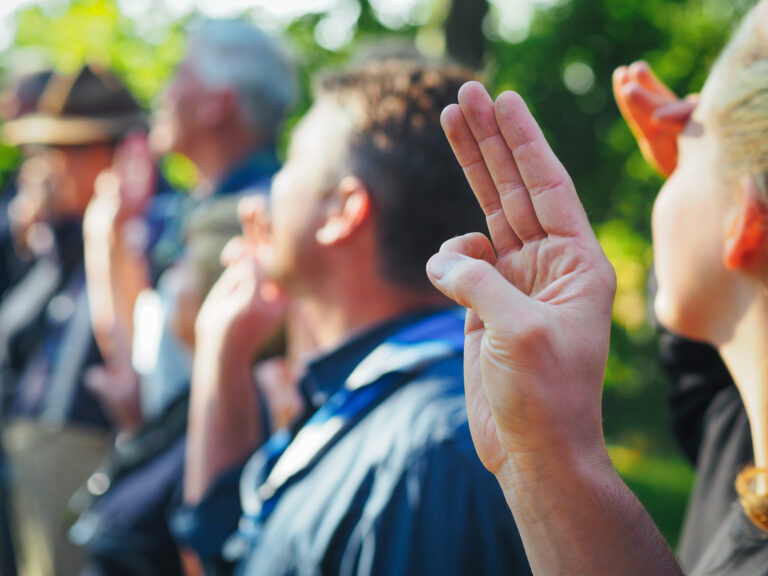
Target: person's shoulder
point(428, 411)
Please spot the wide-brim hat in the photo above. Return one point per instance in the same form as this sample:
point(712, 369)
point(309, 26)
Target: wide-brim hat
point(90, 107)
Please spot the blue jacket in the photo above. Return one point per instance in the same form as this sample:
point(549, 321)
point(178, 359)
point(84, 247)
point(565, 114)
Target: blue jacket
point(398, 489)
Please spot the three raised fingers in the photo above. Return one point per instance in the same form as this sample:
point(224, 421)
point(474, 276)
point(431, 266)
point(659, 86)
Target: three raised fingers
point(479, 111)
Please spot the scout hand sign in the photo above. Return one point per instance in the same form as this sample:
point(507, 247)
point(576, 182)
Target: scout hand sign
point(539, 298)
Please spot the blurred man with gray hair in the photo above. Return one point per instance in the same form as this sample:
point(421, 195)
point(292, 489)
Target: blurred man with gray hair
point(223, 110)
point(227, 100)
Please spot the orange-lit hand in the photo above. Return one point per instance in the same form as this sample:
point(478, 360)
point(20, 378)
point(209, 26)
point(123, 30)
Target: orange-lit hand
point(653, 112)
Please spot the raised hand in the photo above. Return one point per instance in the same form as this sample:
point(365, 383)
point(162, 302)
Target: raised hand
point(537, 334)
point(653, 112)
point(539, 298)
point(244, 308)
point(115, 236)
point(121, 194)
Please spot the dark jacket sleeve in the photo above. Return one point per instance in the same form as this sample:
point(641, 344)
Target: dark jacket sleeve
point(205, 527)
point(697, 375)
point(446, 515)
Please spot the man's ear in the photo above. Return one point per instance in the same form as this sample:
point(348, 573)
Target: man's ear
point(349, 211)
point(748, 237)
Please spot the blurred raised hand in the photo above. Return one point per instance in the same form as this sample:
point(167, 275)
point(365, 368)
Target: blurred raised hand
point(539, 293)
point(242, 310)
point(29, 210)
point(653, 112)
point(237, 319)
point(121, 192)
point(115, 240)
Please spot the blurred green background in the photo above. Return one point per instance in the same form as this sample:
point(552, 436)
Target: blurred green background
point(559, 54)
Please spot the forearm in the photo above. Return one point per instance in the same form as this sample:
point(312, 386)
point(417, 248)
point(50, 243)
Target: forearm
point(224, 419)
point(576, 516)
point(101, 298)
point(129, 277)
point(115, 278)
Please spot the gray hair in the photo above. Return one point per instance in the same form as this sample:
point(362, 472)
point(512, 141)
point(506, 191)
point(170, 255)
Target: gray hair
point(235, 54)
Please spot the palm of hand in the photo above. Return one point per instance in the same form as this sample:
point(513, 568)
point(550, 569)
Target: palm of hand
point(539, 300)
point(242, 310)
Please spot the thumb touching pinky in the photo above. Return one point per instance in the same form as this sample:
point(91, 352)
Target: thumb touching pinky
point(476, 284)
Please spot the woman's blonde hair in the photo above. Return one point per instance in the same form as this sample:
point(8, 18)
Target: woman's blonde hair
point(740, 102)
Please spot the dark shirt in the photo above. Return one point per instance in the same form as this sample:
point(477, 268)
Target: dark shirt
point(46, 340)
point(739, 548)
point(123, 525)
point(170, 213)
point(398, 491)
point(711, 425)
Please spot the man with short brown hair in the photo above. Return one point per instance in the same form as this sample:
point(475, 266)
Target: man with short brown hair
point(379, 475)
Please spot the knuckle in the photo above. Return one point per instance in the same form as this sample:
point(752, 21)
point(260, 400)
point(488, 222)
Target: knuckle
point(610, 279)
point(509, 187)
point(471, 273)
point(605, 278)
point(466, 278)
point(526, 136)
point(553, 186)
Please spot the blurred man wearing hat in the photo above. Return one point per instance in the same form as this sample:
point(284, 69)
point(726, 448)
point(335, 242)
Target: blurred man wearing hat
point(58, 429)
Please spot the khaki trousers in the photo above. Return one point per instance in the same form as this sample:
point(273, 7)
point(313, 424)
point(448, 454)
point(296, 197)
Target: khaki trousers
point(47, 465)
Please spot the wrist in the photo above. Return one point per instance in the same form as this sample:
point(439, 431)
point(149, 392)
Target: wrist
point(218, 346)
point(216, 366)
point(548, 486)
point(556, 461)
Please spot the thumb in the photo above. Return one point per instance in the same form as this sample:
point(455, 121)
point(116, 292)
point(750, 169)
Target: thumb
point(475, 284)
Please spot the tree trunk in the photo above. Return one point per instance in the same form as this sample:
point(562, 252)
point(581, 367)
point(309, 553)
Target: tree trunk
point(465, 41)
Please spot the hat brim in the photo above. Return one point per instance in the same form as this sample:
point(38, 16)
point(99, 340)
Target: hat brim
point(69, 131)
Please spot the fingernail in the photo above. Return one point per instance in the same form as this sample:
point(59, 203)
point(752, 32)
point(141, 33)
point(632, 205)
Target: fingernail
point(441, 264)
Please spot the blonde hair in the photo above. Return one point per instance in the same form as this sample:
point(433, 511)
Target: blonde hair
point(740, 102)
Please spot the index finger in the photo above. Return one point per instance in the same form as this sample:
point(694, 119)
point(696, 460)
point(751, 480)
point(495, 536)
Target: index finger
point(554, 197)
point(642, 73)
